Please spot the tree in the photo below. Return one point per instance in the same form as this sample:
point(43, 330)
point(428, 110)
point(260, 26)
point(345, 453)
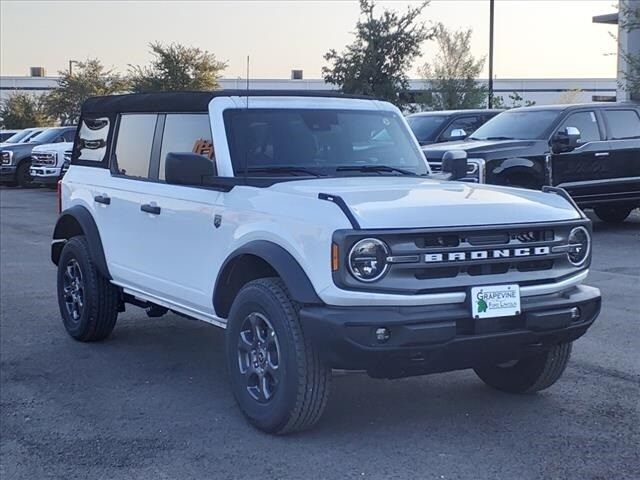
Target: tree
point(453, 73)
point(175, 67)
point(377, 61)
point(629, 18)
point(89, 78)
point(515, 101)
point(23, 110)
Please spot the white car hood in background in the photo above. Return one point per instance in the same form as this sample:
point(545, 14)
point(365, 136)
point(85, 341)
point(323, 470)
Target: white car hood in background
point(410, 202)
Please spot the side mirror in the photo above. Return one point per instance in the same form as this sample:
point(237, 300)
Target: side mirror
point(458, 133)
point(454, 162)
point(188, 169)
point(566, 139)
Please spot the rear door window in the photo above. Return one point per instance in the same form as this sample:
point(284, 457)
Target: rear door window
point(623, 124)
point(186, 133)
point(133, 144)
point(586, 123)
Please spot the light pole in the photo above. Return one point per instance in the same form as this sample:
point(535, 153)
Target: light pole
point(71, 62)
point(490, 101)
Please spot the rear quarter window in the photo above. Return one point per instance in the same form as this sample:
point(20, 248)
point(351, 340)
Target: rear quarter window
point(91, 142)
point(622, 124)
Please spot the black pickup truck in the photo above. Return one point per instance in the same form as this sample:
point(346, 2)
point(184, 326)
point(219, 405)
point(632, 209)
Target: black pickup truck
point(591, 150)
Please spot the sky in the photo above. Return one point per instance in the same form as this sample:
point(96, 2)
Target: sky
point(533, 38)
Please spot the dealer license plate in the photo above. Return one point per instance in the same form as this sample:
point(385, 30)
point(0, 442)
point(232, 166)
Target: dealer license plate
point(495, 301)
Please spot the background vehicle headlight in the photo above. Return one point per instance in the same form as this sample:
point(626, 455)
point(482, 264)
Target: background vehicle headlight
point(368, 260)
point(579, 245)
point(5, 157)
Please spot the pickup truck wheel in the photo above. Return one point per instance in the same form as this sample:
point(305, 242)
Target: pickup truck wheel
point(277, 377)
point(613, 214)
point(530, 374)
point(88, 301)
point(23, 177)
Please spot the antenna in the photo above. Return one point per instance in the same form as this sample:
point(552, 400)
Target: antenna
point(247, 81)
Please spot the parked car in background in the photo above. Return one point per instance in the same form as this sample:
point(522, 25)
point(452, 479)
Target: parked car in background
point(5, 134)
point(21, 136)
point(447, 125)
point(47, 161)
point(15, 159)
point(591, 150)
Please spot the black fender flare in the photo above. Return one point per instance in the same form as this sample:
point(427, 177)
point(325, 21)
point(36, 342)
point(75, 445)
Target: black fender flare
point(74, 221)
point(282, 262)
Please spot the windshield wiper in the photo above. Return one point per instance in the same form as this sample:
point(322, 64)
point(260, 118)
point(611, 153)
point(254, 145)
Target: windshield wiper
point(498, 138)
point(374, 168)
point(283, 170)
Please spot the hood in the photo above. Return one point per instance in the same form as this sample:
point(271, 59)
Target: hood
point(53, 147)
point(18, 148)
point(486, 148)
point(411, 202)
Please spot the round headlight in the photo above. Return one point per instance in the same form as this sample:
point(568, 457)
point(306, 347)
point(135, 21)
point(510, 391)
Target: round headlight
point(368, 260)
point(579, 245)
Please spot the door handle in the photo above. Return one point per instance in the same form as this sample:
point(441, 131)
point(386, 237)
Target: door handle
point(103, 199)
point(152, 209)
point(602, 154)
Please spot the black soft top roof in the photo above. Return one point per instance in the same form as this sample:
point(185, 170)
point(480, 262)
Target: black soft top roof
point(188, 101)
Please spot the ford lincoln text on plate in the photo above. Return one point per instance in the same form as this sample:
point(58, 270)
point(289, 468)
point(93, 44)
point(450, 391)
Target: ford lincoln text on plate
point(591, 150)
point(311, 229)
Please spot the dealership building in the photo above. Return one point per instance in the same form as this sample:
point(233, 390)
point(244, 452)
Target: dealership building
point(539, 90)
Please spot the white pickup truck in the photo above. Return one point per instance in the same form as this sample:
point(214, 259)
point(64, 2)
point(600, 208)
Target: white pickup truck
point(47, 161)
point(310, 227)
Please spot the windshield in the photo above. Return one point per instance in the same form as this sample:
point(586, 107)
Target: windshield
point(426, 127)
point(46, 136)
point(20, 136)
point(310, 142)
point(517, 125)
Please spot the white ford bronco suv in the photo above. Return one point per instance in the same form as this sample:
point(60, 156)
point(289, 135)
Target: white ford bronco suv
point(310, 227)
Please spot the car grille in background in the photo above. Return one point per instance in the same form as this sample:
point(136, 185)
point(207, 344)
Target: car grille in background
point(41, 159)
point(436, 167)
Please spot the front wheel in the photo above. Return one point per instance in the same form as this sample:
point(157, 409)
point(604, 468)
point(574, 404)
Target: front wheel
point(277, 376)
point(23, 176)
point(530, 374)
point(613, 214)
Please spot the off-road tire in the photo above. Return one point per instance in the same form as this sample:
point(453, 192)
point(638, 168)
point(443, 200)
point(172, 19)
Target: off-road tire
point(613, 214)
point(100, 298)
point(304, 382)
point(530, 374)
point(23, 177)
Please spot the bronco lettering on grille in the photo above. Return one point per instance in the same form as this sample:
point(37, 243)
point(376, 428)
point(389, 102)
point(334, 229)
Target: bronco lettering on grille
point(486, 254)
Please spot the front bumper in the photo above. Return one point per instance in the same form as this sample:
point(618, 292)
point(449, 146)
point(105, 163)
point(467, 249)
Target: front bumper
point(45, 175)
point(439, 338)
point(7, 173)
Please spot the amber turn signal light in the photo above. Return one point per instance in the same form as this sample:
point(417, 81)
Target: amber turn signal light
point(335, 263)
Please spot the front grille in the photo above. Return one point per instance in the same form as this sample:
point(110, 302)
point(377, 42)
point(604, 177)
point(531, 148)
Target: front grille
point(43, 159)
point(457, 258)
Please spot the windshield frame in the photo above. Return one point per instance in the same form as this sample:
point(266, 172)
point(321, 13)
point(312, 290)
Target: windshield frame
point(543, 135)
point(328, 171)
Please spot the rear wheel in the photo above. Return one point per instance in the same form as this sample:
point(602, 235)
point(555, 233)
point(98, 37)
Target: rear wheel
point(23, 177)
point(88, 301)
point(277, 377)
point(530, 374)
point(610, 214)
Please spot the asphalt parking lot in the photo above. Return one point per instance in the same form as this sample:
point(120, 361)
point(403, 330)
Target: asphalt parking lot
point(152, 401)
